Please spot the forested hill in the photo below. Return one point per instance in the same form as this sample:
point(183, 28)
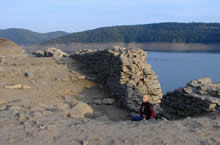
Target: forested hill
point(24, 36)
point(161, 32)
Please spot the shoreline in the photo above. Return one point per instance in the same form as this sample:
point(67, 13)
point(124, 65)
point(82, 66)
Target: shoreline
point(150, 46)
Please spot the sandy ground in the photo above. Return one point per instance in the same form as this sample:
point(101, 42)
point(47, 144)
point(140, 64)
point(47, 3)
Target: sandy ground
point(31, 116)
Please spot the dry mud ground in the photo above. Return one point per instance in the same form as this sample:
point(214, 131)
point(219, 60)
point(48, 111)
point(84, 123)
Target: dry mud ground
point(31, 115)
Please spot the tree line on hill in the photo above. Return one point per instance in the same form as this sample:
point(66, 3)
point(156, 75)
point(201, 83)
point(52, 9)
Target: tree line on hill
point(161, 32)
point(27, 37)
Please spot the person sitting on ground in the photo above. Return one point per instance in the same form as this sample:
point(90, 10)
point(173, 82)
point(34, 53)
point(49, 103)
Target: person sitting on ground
point(146, 110)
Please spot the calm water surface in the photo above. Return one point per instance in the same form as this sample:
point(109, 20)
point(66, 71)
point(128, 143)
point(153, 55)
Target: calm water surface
point(174, 70)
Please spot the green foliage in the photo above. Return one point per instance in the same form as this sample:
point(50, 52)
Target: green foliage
point(162, 32)
point(24, 37)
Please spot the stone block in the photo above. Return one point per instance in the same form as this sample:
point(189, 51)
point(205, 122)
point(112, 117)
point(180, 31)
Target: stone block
point(108, 101)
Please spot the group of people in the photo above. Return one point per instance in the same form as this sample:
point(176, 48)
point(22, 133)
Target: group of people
point(146, 110)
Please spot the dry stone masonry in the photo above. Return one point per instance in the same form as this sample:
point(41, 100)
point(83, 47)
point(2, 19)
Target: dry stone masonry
point(197, 96)
point(50, 52)
point(124, 73)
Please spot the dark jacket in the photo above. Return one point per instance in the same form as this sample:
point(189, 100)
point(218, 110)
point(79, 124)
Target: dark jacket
point(146, 110)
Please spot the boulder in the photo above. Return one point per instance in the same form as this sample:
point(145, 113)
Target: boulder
point(80, 110)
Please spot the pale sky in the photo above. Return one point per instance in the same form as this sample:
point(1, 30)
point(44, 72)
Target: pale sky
point(79, 15)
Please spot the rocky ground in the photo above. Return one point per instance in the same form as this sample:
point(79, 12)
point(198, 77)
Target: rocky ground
point(53, 101)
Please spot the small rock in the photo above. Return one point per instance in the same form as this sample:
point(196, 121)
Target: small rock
point(3, 102)
point(108, 101)
point(164, 119)
point(97, 102)
point(15, 108)
point(37, 114)
point(212, 107)
point(17, 86)
point(73, 78)
point(188, 90)
point(22, 117)
point(30, 134)
point(85, 142)
point(52, 108)
point(145, 72)
point(81, 77)
point(28, 74)
point(42, 127)
point(3, 107)
point(38, 53)
point(2, 60)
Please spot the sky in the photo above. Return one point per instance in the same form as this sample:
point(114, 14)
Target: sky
point(79, 15)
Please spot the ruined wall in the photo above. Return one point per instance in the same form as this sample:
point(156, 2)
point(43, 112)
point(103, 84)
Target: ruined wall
point(125, 73)
point(197, 96)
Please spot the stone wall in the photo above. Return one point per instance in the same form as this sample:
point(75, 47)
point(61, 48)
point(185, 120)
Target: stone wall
point(197, 96)
point(124, 73)
point(50, 52)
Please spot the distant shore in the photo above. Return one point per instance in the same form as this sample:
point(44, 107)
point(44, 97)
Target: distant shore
point(151, 46)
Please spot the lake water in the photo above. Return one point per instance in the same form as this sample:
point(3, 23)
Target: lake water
point(174, 70)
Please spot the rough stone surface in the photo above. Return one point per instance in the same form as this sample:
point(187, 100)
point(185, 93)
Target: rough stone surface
point(97, 102)
point(3, 107)
point(79, 110)
point(63, 106)
point(124, 73)
point(2, 59)
point(50, 52)
point(108, 101)
point(39, 53)
point(197, 96)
